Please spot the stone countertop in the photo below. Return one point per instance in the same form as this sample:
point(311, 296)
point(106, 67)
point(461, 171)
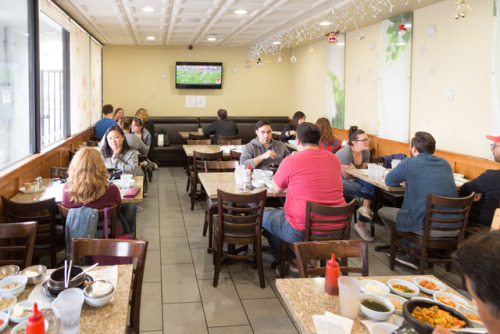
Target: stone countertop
point(225, 181)
point(188, 149)
point(111, 318)
point(305, 297)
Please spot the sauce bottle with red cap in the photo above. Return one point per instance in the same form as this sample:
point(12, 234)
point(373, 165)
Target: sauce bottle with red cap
point(36, 322)
point(332, 277)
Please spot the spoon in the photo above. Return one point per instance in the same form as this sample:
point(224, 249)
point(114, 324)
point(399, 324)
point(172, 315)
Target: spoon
point(83, 272)
point(469, 330)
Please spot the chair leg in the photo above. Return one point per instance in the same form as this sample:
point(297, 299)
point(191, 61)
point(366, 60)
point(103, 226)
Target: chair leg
point(423, 261)
point(282, 259)
point(218, 259)
point(188, 183)
point(393, 249)
point(193, 195)
point(258, 256)
point(205, 223)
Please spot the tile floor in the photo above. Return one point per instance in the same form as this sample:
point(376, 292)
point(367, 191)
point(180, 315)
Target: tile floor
point(178, 296)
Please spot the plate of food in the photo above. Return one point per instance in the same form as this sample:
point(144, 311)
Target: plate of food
point(32, 190)
point(372, 286)
point(428, 285)
point(403, 288)
point(472, 314)
point(397, 301)
point(449, 299)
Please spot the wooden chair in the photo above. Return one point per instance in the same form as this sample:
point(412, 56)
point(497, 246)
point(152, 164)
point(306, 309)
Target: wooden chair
point(200, 136)
point(118, 247)
point(322, 250)
point(221, 137)
point(93, 143)
point(112, 214)
point(229, 141)
point(239, 223)
point(235, 155)
point(338, 215)
point(199, 159)
point(58, 172)
point(456, 210)
point(212, 206)
point(49, 235)
point(71, 154)
point(199, 141)
point(17, 238)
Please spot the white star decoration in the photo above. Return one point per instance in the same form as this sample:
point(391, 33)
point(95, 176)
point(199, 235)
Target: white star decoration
point(431, 30)
point(449, 93)
point(372, 45)
point(423, 50)
point(432, 71)
point(357, 79)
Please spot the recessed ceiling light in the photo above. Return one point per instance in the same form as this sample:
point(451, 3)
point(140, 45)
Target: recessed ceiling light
point(277, 43)
point(240, 12)
point(211, 38)
point(150, 38)
point(325, 23)
point(148, 9)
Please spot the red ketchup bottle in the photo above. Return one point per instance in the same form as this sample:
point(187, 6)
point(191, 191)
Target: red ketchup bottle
point(36, 322)
point(332, 277)
point(247, 178)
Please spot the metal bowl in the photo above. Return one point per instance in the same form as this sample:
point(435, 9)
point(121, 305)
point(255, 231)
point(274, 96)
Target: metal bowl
point(35, 274)
point(422, 327)
point(8, 270)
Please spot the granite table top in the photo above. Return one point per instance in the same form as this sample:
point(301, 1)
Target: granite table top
point(111, 318)
point(305, 297)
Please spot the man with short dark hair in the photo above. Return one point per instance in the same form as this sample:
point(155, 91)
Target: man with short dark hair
point(102, 125)
point(487, 189)
point(478, 259)
point(222, 126)
point(422, 174)
point(263, 151)
point(311, 174)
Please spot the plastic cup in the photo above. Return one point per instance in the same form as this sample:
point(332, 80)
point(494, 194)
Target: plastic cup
point(349, 293)
point(70, 308)
point(200, 130)
point(27, 186)
point(238, 175)
point(125, 180)
point(371, 170)
point(394, 163)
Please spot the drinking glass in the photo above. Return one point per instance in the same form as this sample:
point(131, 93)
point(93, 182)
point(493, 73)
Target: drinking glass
point(349, 293)
point(238, 174)
point(125, 181)
point(394, 163)
point(70, 309)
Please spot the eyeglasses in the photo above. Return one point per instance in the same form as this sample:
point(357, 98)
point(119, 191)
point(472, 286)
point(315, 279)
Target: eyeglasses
point(493, 146)
point(367, 140)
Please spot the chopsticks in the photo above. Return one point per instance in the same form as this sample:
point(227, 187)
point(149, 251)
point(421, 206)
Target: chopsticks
point(67, 272)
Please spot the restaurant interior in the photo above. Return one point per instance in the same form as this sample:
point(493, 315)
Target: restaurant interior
point(444, 82)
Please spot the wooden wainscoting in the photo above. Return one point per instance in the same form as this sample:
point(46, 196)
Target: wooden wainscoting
point(471, 167)
point(14, 177)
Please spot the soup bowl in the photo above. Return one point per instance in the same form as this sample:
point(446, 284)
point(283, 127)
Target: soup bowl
point(55, 284)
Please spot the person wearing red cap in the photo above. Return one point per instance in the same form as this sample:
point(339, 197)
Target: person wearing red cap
point(487, 189)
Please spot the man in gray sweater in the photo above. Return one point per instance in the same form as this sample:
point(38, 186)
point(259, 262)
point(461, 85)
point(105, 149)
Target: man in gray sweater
point(422, 174)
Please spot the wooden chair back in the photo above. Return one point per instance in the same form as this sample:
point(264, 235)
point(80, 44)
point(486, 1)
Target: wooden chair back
point(123, 248)
point(323, 250)
point(112, 215)
point(329, 215)
point(221, 137)
point(495, 224)
point(235, 155)
point(93, 143)
point(199, 141)
point(220, 166)
point(198, 137)
point(229, 141)
point(199, 159)
point(44, 213)
point(58, 172)
point(17, 243)
point(71, 154)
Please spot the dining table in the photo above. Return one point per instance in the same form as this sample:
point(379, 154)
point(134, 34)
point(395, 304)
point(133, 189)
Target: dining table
point(110, 318)
point(225, 181)
point(188, 149)
point(185, 134)
point(305, 297)
point(53, 188)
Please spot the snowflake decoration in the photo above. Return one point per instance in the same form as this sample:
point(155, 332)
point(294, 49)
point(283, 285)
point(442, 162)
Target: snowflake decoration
point(372, 45)
point(357, 79)
point(432, 70)
point(431, 30)
point(449, 94)
point(423, 50)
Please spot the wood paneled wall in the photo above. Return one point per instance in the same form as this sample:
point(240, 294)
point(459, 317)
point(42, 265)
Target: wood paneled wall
point(14, 177)
point(470, 167)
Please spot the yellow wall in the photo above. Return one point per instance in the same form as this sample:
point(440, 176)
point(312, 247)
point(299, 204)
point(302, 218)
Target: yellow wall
point(133, 78)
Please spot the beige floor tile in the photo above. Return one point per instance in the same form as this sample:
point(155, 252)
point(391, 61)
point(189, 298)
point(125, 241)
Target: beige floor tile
point(195, 237)
point(172, 229)
point(151, 307)
point(221, 304)
point(152, 270)
point(268, 316)
point(148, 218)
point(175, 250)
point(179, 284)
point(150, 234)
point(152, 332)
point(203, 265)
point(231, 330)
point(184, 318)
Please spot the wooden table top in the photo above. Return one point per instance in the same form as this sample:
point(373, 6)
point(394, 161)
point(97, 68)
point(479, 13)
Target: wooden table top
point(55, 189)
point(188, 149)
point(111, 318)
point(185, 134)
point(305, 297)
point(378, 183)
point(226, 182)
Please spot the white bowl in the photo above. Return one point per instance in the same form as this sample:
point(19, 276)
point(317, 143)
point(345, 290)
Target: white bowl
point(470, 310)
point(391, 296)
point(453, 300)
point(376, 315)
point(383, 328)
point(419, 279)
point(407, 284)
point(16, 279)
point(29, 302)
point(258, 183)
point(373, 287)
point(12, 301)
point(269, 184)
point(5, 317)
point(22, 325)
point(98, 301)
point(266, 174)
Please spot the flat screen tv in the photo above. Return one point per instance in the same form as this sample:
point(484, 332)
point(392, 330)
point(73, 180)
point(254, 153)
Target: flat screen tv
point(192, 75)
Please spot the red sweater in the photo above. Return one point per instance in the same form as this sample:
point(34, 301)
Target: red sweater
point(110, 198)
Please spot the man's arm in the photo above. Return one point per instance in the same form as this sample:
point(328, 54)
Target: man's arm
point(210, 130)
point(397, 176)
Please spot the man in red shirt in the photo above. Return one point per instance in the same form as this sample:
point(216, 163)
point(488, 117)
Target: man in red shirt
point(310, 174)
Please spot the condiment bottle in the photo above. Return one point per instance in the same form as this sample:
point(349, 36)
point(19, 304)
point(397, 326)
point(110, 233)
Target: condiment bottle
point(332, 276)
point(248, 174)
point(36, 322)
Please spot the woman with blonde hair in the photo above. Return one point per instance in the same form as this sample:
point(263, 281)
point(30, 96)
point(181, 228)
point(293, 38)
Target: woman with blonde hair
point(328, 141)
point(138, 129)
point(149, 125)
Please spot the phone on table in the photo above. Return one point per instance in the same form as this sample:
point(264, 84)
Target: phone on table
point(250, 187)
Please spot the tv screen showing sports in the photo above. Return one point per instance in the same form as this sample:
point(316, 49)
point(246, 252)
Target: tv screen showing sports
point(198, 75)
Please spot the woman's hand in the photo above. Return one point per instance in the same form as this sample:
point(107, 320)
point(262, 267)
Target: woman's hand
point(292, 133)
point(116, 152)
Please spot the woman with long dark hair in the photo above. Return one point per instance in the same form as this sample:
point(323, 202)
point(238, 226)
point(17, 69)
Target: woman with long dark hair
point(117, 154)
point(289, 132)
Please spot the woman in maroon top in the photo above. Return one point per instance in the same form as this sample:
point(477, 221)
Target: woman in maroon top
point(328, 141)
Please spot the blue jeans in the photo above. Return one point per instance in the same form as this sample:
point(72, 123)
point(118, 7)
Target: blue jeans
point(128, 211)
point(358, 188)
point(276, 228)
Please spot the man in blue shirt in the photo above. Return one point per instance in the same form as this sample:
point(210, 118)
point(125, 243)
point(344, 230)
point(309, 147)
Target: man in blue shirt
point(102, 125)
point(422, 174)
